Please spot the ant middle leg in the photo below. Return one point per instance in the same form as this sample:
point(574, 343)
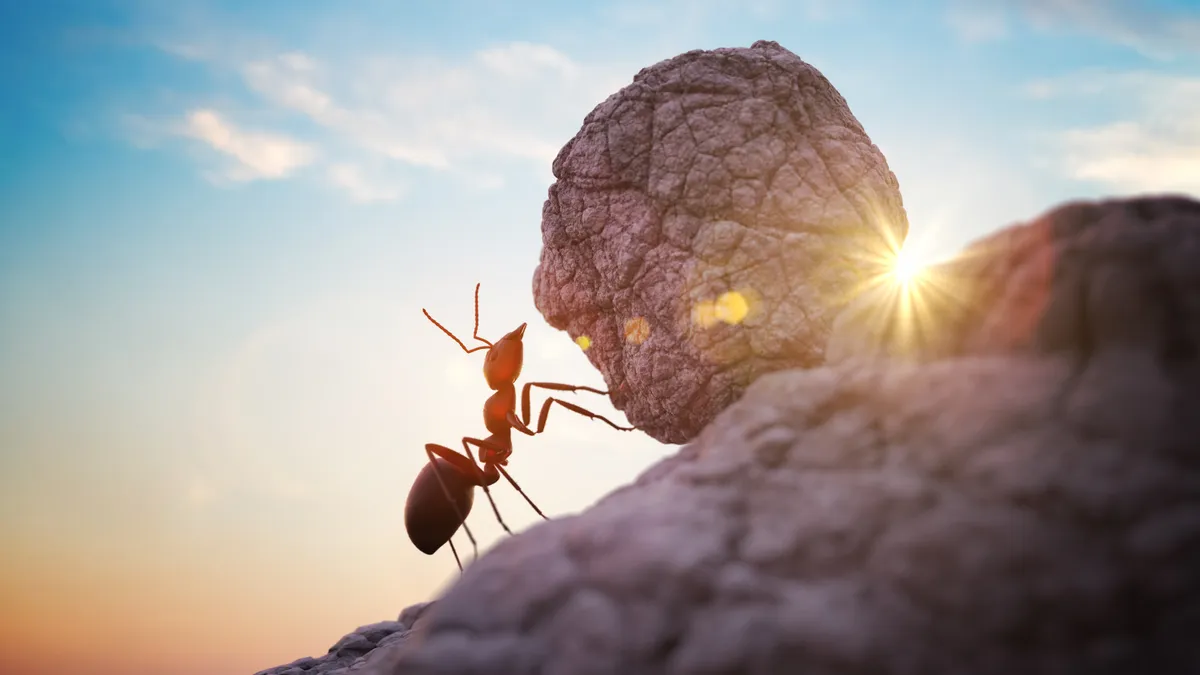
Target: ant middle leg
point(522, 492)
point(492, 446)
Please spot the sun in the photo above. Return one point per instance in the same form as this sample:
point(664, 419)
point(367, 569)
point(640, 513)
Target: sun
point(906, 268)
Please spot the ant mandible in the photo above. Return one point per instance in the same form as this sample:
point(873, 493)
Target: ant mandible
point(444, 491)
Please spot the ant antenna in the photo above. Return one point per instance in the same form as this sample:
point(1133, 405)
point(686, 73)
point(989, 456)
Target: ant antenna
point(487, 345)
point(477, 317)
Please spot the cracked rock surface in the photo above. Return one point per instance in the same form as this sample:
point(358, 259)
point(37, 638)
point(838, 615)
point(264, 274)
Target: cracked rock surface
point(1028, 502)
point(707, 223)
point(369, 650)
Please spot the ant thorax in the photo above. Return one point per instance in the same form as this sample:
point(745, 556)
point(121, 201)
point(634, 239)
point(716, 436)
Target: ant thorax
point(496, 410)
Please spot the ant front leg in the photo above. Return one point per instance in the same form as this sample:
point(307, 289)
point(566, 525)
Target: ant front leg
point(516, 423)
point(556, 386)
point(545, 413)
point(541, 426)
point(495, 447)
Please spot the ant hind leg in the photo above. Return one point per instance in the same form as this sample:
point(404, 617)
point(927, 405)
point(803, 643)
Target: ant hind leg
point(456, 558)
point(483, 444)
point(522, 492)
point(496, 510)
point(437, 472)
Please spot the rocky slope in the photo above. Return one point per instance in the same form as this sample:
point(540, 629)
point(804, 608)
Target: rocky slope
point(1007, 481)
point(369, 649)
point(1023, 497)
point(1029, 503)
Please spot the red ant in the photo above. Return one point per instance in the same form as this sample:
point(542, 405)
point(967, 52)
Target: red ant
point(444, 491)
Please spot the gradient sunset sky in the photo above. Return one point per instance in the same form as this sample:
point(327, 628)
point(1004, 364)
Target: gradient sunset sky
point(219, 222)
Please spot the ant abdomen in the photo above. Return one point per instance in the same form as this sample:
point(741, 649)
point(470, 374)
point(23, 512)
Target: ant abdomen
point(429, 516)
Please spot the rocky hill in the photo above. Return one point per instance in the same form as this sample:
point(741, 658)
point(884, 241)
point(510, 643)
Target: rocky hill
point(995, 469)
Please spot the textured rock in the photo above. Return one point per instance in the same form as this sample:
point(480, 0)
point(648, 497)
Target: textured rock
point(732, 171)
point(1030, 508)
point(369, 650)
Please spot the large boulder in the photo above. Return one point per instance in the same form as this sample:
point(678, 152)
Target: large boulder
point(707, 223)
point(1028, 503)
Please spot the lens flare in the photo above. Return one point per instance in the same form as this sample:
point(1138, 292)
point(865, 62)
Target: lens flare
point(637, 330)
point(704, 314)
point(730, 307)
point(902, 301)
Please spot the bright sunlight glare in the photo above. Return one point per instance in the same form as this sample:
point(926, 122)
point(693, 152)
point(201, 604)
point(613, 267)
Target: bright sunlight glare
point(906, 268)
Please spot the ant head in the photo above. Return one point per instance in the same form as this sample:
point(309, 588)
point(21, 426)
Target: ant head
point(503, 363)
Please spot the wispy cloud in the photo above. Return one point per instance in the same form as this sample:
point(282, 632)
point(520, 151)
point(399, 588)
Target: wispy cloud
point(1147, 26)
point(480, 116)
point(1136, 156)
point(257, 154)
point(503, 102)
point(673, 12)
point(982, 23)
point(360, 187)
point(522, 60)
point(1155, 147)
point(243, 155)
point(692, 14)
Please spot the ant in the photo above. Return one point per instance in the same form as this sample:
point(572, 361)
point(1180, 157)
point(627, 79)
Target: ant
point(444, 491)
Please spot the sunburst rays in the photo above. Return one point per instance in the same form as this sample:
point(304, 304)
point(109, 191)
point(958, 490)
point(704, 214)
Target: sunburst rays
point(904, 302)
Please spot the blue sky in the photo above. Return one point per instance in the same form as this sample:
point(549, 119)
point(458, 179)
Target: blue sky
point(219, 222)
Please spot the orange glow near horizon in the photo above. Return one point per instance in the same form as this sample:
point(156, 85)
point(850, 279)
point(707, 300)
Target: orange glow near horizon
point(67, 612)
point(222, 514)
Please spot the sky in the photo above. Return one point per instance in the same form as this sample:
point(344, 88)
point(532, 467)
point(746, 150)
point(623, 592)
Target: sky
point(219, 222)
